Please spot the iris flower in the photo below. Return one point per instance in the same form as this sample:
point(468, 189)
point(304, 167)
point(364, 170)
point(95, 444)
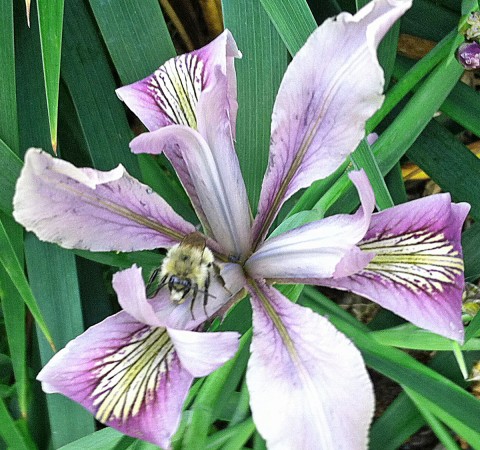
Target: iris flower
point(307, 382)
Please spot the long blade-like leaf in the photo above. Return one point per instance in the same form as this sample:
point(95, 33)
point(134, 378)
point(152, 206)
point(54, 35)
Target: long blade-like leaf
point(50, 19)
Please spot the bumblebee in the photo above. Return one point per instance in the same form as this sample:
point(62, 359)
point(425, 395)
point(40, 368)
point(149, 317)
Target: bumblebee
point(187, 268)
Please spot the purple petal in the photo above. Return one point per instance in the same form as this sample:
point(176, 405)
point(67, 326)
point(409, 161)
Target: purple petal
point(313, 251)
point(170, 95)
point(417, 270)
point(212, 177)
point(125, 373)
point(161, 311)
point(202, 353)
point(320, 111)
point(308, 385)
point(92, 210)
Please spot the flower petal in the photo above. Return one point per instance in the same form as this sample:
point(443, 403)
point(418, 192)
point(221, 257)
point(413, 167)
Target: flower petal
point(313, 251)
point(202, 353)
point(125, 373)
point(320, 111)
point(161, 311)
point(417, 270)
point(303, 376)
point(212, 177)
point(93, 210)
point(170, 95)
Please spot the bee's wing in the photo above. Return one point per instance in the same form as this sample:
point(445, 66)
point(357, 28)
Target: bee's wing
point(194, 239)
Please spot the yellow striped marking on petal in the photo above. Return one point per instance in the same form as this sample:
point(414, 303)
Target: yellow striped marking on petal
point(422, 261)
point(176, 87)
point(130, 377)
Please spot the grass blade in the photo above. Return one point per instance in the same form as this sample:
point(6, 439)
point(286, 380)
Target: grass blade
point(11, 264)
point(50, 19)
point(56, 287)
point(14, 316)
point(259, 73)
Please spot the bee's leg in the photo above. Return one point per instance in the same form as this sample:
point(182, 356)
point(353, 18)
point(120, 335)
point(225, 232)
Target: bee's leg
point(194, 296)
point(151, 280)
point(205, 294)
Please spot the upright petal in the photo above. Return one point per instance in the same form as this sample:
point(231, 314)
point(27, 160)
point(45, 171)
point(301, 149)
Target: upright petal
point(417, 269)
point(320, 111)
point(308, 385)
point(92, 210)
point(314, 251)
point(170, 95)
point(214, 178)
point(161, 311)
point(125, 373)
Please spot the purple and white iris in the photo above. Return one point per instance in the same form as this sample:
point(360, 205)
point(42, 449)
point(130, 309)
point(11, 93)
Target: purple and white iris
point(134, 370)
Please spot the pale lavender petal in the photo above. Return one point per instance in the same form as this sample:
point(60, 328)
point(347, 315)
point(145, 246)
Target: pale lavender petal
point(308, 385)
point(213, 178)
point(417, 269)
point(92, 210)
point(125, 373)
point(320, 111)
point(313, 251)
point(170, 95)
point(202, 353)
point(161, 311)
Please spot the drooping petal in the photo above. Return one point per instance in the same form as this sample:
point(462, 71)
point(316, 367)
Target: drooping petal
point(170, 95)
point(212, 177)
point(125, 373)
point(417, 270)
point(320, 111)
point(161, 311)
point(202, 353)
point(92, 210)
point(308, 385)
point(314, 251)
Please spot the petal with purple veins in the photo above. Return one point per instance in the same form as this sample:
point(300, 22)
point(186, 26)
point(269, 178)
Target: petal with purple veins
point(92, 210)
point(320, 111)
point(125, 373)
point(316, 250)
point(170, 95)
point(417, 268)
point(302, 376)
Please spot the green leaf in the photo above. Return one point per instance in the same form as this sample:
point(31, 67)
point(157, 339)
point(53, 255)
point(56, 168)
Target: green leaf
point(11, 166)
point(455, 422)
point(449, 163)
point(55, 286)
point(471, 252)
point(209, 399)
point(8, 100)
point(9, 431)
point(293, 20)
point(135, 34)
point(259, 73)
point(50, 19)
point(10, 262)
point(105, 439)
point(87, 75)
point(400, 420)
point(231, 438)
point(14, 316)
point(363, 158)
point(411, 337)
point(442, 433)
